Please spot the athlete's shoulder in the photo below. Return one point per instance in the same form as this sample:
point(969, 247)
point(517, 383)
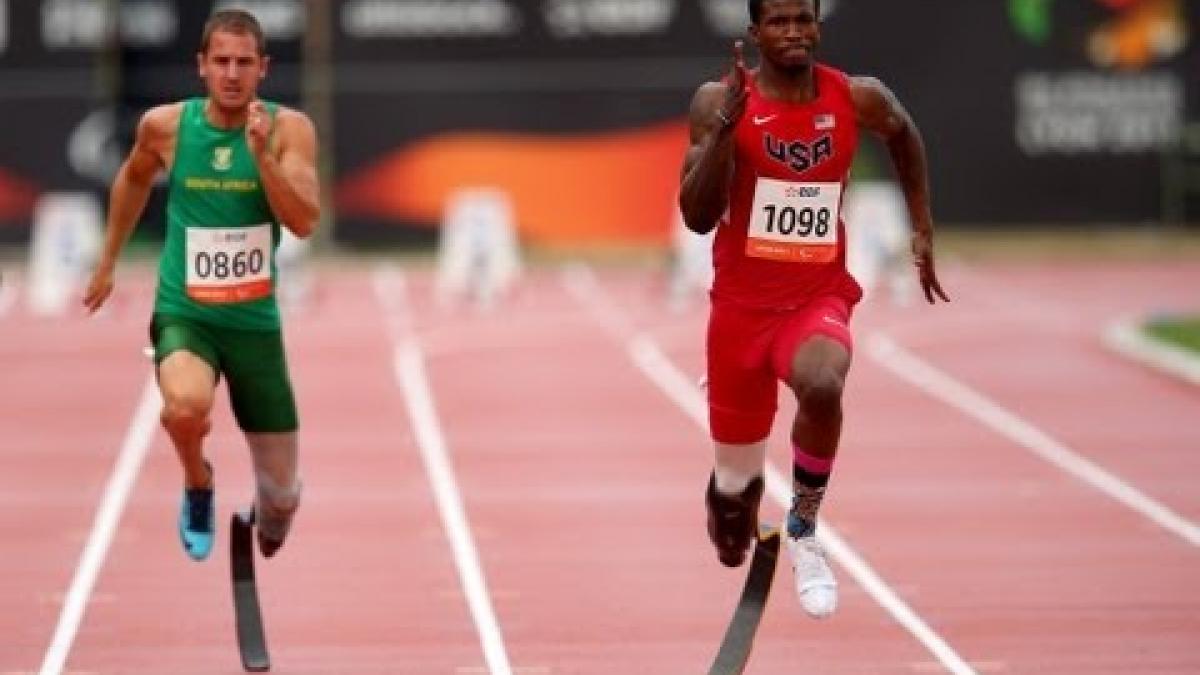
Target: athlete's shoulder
point(865, 82)
point(708, 93)
point(291, 114)
point(711, 95)
point(705, 103)
point(719, 87)
point(293, 121)
point(877, 107)
point(869, 92)
point(161, 120)
point(158, 130)
point(294, 134)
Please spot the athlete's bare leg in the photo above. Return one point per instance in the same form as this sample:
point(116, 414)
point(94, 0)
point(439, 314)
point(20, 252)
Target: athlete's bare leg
point(818, 378)
point(276, 474)
point(188, 384)
point(737, 464)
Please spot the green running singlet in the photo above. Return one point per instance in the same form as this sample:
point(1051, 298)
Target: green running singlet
point(218, 261)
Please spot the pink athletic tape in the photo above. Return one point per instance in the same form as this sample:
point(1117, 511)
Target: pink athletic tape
point(814, 465)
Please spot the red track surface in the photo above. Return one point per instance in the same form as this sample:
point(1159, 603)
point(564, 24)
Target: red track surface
point(582, 484)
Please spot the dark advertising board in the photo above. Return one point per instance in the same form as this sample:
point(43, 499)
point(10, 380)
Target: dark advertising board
point(47, 85)
point(75, 75)
point(1035, 111)
point(575, 108)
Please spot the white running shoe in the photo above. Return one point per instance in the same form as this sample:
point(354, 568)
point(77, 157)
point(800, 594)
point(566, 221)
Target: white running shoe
point(815, 585)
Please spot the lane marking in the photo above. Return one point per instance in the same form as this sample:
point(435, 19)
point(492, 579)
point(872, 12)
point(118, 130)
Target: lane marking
point(116, 494)
point(910, 368)
point(682, 391)
point(409, 370)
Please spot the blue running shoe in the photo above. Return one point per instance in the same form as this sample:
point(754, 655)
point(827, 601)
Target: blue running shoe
point(197, 521)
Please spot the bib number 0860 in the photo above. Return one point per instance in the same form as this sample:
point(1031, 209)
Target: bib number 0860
point(802, 221)
point(221, 265)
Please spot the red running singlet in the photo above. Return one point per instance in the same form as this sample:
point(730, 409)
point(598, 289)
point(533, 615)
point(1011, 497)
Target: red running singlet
point(782, 241)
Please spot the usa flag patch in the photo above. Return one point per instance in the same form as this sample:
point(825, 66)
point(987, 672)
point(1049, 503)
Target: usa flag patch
point(824, 122)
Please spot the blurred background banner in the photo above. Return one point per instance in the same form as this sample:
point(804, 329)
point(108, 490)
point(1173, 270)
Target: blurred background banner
point(576, 108)
point(75, 76)
point(1042, 112)
point(1038, 111)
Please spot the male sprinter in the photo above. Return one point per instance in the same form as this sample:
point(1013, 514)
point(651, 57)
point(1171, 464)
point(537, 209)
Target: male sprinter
point(238, 168)
point(768, 164)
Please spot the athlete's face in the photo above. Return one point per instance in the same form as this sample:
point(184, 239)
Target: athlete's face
point(231, 69)
point(787, 33)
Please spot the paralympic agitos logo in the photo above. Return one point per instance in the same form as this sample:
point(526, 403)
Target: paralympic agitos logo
point(1135, 34)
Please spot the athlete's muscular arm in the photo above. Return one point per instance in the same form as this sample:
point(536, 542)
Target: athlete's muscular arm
point(288, 169)
point(708, 164)
point(879, 110)
point(153, 148)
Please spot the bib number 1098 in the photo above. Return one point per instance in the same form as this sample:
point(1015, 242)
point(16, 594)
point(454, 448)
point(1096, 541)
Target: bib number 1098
point(794, 222)
point(803, 221)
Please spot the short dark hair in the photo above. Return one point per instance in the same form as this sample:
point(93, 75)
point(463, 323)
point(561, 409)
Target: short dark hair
point(233, 21)
point(755, 7)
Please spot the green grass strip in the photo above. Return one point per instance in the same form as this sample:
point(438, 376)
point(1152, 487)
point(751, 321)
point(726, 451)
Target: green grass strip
point(1180, 331)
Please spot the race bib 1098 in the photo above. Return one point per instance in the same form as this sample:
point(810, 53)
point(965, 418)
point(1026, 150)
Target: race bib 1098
point(794, 222)
point(228, 264)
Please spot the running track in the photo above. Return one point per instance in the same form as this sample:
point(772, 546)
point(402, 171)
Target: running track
point(520, 491)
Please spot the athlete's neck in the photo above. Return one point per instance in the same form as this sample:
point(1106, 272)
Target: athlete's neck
point(791, 85)
point(224, 118)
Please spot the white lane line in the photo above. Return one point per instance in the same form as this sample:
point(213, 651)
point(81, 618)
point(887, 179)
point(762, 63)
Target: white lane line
point(409, 369)
point(957, 395)
point(672, 381)
point(1125, 338)
point(120, 483)
point(676, 385)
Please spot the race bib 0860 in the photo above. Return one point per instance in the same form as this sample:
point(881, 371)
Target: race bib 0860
point(228, 264)
point(794, 222)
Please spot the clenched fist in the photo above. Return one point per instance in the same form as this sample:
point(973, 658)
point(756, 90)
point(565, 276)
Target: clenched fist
point(259, 124)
